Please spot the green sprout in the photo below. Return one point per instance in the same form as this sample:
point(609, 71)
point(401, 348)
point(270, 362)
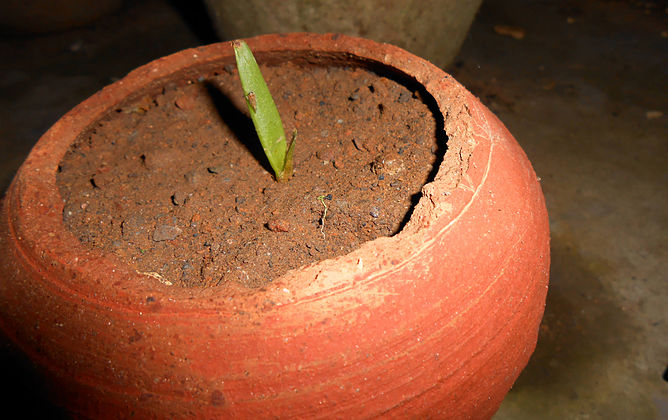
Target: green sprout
point(264, 114)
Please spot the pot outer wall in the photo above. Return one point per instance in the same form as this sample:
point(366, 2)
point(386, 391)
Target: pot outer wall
point(433, 29)
point(437, 321)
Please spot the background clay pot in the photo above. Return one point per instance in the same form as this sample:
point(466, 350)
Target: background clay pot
point(433, 29)
point(40, 16)
point(438, 320)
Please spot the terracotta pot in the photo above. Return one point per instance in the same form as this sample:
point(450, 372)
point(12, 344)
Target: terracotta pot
point(432, 29)
point(437, 320)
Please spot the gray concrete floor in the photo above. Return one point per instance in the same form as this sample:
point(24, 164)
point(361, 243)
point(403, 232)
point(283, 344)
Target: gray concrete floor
point(578, 92)
point(585, 91)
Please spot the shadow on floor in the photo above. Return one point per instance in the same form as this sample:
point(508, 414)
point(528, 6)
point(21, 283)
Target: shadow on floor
point(581, 327)
point(22, 388)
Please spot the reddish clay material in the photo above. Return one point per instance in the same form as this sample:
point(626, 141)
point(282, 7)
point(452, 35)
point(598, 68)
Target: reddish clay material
point(437, 321)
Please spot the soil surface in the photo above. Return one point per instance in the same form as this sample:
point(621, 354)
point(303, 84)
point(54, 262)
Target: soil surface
point(178, 187)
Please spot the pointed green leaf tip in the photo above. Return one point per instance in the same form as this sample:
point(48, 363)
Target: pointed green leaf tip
point(263, 112)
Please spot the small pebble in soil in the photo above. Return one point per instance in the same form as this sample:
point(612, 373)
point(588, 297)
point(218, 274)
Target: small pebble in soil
point(326, 154)
point(166, 233)
point(133, 227)
point(278, 225)
point(377, 166)
point(187, 270)
point(185, 102)
point(374, 212)
point(161, 160)
point(70, 210)
point(179, 198)
point(404, 97)
point(215, 169)
point(193, 177)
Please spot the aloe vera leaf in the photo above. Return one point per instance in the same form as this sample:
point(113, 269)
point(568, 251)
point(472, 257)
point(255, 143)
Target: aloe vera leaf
point(263, 111)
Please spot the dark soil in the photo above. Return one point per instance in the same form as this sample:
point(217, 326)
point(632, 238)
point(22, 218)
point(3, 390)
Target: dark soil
point(176, 185)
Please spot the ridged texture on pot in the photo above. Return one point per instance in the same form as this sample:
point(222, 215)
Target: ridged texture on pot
point(437, 321)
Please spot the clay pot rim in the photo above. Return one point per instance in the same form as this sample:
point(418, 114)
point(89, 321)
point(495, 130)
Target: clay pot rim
point(441, 204)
